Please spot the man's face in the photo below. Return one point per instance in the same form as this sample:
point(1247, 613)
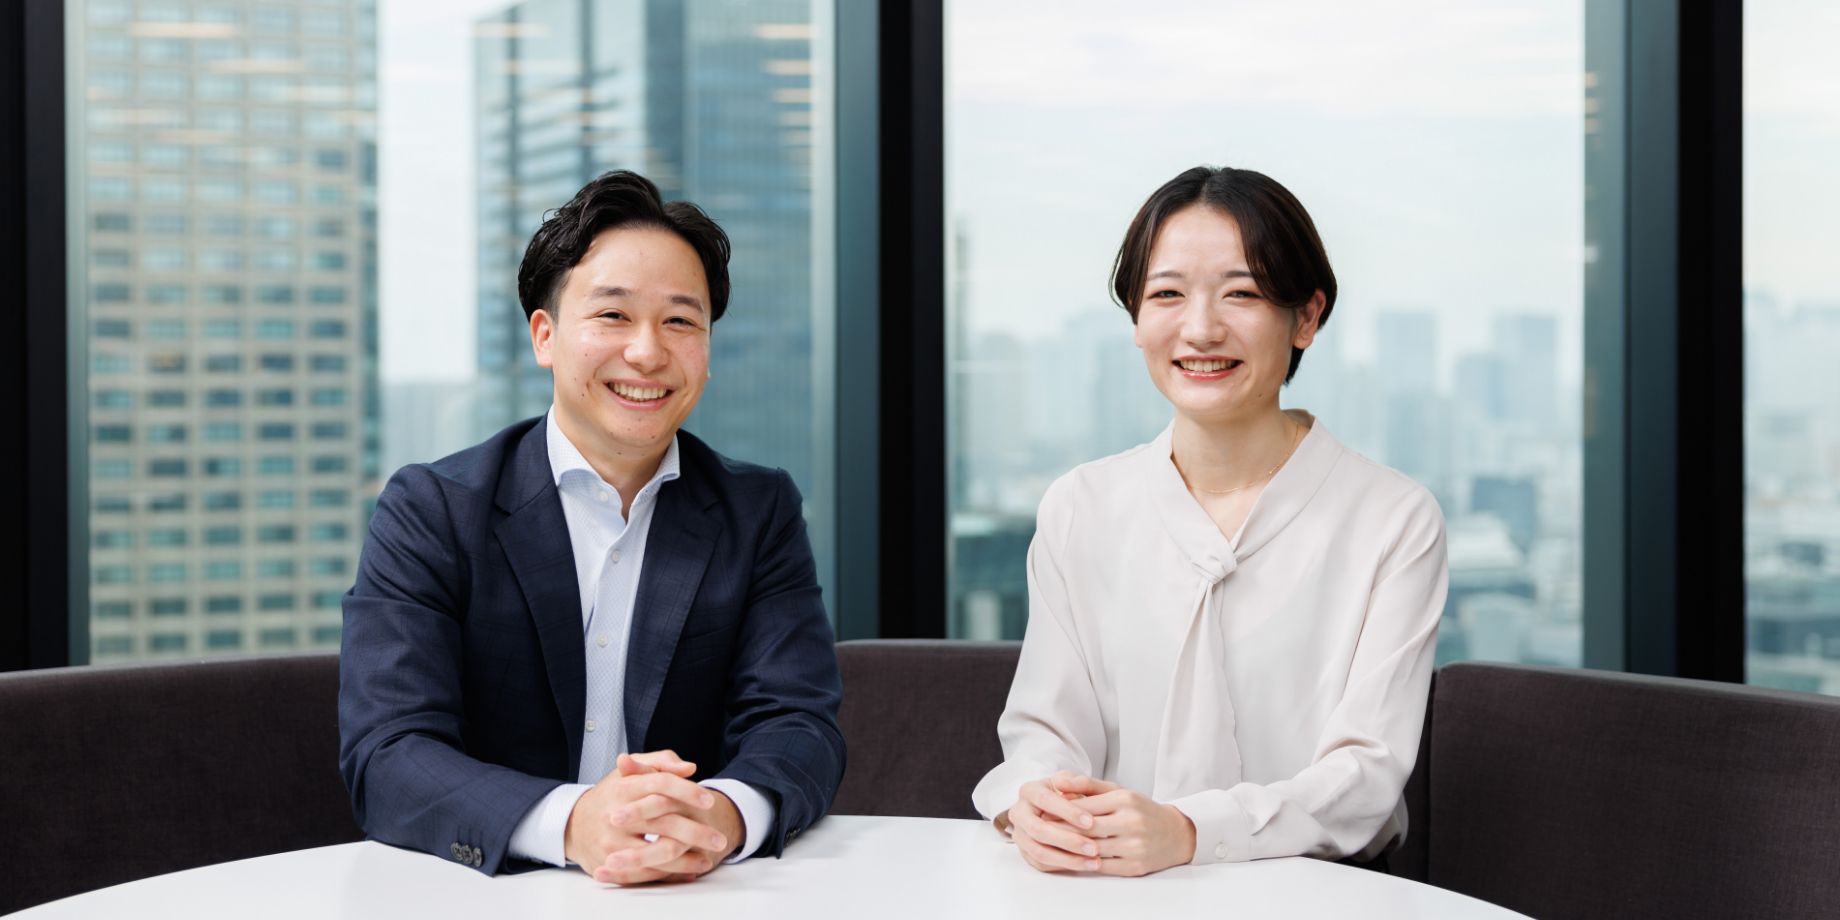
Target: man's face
point(628, 343)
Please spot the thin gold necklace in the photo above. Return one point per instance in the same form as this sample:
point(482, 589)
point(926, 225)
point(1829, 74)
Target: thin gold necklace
point(1296, 438)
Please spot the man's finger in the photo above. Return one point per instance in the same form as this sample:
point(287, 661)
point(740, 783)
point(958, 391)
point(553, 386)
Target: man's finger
point(665, 761)
point(646, 808)
point(674, 786)
point(1056, 834)
point(647, 856)
point(607, 876)
point(1047, 800)
point(694, 834)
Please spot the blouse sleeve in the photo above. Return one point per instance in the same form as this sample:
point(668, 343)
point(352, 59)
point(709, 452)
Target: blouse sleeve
point(1052, 719)
point(1335, 806)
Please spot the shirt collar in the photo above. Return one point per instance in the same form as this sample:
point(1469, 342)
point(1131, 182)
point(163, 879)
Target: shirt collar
point(564, 457)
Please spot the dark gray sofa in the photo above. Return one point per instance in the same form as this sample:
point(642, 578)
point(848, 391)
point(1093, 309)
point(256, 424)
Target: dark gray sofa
point(1556, 793)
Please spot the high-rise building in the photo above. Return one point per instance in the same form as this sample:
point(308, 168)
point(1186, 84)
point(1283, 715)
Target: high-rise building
point(228, 196)
point(712, 100)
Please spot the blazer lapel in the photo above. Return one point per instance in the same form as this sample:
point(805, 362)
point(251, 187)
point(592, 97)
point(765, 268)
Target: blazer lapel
point(677, 550)
point(535, 537)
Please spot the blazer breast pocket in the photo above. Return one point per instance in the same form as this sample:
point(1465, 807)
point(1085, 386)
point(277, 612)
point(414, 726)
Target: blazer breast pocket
point(709, 625)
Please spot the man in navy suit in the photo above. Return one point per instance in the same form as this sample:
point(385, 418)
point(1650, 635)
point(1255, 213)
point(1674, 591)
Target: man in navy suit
point(592, 640)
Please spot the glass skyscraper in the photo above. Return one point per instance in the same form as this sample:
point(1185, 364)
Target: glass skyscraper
point(226, 189)
point(712, 100)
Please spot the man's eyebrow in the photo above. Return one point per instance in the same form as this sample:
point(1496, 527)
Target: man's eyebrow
point(687, 300)
point(605, 291)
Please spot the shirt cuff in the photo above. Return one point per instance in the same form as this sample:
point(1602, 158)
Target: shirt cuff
point(541, 835)
point(1223, 829)
point(756, 813)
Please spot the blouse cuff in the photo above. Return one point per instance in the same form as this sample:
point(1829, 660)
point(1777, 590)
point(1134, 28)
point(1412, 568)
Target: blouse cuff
point(1002, 786)
point(1223, 830)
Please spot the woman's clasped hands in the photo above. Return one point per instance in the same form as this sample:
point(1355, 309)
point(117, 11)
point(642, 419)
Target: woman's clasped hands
point(1073, 823)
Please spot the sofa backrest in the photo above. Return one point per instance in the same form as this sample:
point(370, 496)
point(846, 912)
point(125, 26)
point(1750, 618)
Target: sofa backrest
point(110, 774)
point(1585, 794)
point(920, 721)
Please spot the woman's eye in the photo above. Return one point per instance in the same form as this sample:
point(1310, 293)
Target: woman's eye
point(1165, 294)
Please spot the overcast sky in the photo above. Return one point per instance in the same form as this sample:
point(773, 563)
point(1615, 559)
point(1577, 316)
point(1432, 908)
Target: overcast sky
point(1436, 142)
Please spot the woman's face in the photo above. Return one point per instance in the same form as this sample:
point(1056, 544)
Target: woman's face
point(1214, 345)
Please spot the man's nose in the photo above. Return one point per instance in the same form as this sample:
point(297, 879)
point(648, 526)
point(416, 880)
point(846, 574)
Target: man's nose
point(644, 351)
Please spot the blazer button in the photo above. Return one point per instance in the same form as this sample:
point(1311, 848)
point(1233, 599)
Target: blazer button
point(454, 850)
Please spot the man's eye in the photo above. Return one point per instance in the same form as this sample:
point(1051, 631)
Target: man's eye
point(610, 314)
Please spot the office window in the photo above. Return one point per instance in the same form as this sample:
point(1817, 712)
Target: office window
point(276, 568)
point(222, 501)
point(166, 572)
point(1791, 338)
point(168, 607)
point(112, 610)
point(223, 536)
point(223, 603)
point(223, 570)
point(165, 295)
point(221, 432)
point(275, 602)
point(166, 536)
point(227, 148)
point(276, 638)
point(161, 643)
point(1462, 371)
point(223, 640)
point(112, 539)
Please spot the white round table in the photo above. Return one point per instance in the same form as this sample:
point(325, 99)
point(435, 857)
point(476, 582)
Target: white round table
point(844, 867)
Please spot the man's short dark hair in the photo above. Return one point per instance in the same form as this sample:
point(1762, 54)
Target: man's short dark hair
point(1283, 251)
point(617, 199)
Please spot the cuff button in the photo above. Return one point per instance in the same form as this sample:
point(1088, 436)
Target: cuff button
point(1220, 851)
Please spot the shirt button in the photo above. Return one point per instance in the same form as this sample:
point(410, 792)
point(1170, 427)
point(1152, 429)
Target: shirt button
point(1220, 851)
point(601, 497)
point(590, 725)
point(600, 641)
point(615, 556)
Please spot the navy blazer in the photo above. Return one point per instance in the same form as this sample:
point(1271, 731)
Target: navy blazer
point(462, 672)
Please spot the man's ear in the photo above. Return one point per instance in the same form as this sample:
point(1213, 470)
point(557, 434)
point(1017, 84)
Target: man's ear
point(542, 335)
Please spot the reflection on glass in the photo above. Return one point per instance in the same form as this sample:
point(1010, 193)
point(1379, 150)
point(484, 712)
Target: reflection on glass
point(1449, 193)
point(1791, 338)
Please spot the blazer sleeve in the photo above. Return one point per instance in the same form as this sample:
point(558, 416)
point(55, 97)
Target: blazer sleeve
point(1338, 804)
point(1051, 721)
point(401, 704)
point(782, 735)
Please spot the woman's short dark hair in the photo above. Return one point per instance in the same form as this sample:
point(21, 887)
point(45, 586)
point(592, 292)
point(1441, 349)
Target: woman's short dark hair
point(617, 199)
point(1283, 251)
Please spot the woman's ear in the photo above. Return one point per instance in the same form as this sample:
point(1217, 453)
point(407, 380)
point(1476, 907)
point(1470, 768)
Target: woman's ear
point(1306, 320)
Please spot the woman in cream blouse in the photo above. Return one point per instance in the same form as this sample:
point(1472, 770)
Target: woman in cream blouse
point(1230, 628)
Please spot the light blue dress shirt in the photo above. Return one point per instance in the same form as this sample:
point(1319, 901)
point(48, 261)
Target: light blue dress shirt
point(609, 554)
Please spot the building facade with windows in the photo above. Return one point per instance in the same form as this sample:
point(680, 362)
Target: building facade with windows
point(227, 194)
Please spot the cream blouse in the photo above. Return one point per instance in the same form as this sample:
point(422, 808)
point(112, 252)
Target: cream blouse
point(1271, 686)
